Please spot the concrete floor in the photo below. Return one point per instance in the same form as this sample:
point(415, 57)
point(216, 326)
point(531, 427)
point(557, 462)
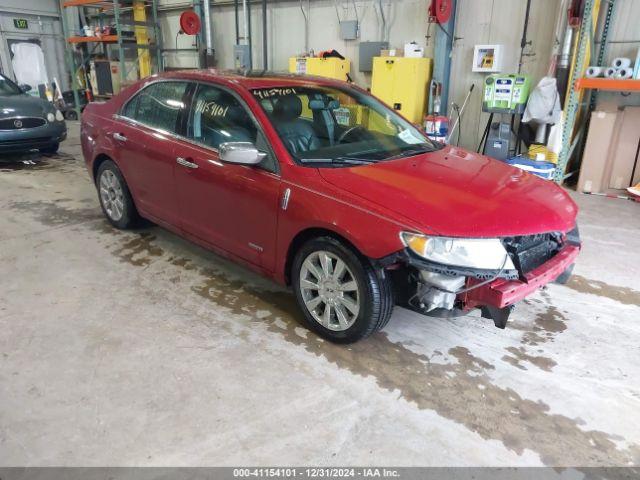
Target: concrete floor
point(139, 348)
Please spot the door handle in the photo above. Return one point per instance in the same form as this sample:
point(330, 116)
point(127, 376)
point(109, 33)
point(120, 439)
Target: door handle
point(120, 137)
point(186, 163)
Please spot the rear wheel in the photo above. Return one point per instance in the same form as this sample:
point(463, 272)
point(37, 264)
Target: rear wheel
point(115, 198)
point(342, 296)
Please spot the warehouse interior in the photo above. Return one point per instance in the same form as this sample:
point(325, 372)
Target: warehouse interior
point(143, 348)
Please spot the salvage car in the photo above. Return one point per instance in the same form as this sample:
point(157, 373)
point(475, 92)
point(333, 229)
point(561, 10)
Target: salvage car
point(319, 185)
point(26, 122)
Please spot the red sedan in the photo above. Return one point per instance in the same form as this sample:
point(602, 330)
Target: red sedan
point(318, 185)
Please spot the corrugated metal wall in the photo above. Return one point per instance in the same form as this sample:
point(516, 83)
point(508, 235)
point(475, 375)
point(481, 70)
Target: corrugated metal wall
point(497, 22)
point(478, 22)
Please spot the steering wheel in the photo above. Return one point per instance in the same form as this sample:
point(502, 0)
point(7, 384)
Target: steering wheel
point(349, 131)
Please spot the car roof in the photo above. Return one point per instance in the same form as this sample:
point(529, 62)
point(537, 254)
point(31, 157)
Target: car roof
point(251, 79)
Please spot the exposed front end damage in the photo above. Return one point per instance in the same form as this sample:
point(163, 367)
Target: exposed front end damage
point(439, 290)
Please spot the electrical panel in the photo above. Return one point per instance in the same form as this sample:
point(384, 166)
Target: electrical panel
point(368, 50)
point(242, 57)
point(349, 29)
point(402, 83)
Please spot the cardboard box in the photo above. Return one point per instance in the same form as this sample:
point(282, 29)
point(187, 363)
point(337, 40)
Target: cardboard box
point(391, 52)
point(611, 151)
point(413, 50)
point(596, 152)
point(624, 150)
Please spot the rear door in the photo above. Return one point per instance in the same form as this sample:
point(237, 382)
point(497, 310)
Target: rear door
point(233, 207)
point(145, 132)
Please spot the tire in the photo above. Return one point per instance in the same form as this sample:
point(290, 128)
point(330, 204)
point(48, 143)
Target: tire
point(566, 275)
point(315, 291)
point(51, 149)
point(71, 115)
point(115, 197)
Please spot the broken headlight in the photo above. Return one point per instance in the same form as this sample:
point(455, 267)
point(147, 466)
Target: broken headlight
point(481, 253)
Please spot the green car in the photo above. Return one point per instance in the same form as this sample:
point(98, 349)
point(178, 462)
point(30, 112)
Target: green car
point(28, 123)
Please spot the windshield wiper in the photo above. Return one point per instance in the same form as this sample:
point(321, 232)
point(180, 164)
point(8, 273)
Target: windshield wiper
point(342, 160)
point(411, 152)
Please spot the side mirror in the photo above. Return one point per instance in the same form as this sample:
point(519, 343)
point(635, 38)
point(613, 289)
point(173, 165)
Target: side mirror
point(242, 153)
point(24, 88)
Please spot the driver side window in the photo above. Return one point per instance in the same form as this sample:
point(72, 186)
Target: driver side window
point(217, 116)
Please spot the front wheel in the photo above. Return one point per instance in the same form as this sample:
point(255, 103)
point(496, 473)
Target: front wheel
point(342, 296)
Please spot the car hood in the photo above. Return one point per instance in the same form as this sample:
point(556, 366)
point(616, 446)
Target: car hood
point(23, 106)
point(456, 193)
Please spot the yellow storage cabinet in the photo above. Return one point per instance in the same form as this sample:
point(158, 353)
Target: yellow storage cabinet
point(402, 83)
point(322, 67)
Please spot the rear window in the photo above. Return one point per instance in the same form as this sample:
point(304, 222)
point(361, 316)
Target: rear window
point(158, 105)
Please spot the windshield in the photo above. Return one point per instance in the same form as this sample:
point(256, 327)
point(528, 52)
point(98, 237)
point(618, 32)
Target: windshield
point(327, 126)
point(7, 87)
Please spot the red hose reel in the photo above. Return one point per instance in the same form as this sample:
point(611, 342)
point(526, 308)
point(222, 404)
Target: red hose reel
point(190, 22)
point(440, 11)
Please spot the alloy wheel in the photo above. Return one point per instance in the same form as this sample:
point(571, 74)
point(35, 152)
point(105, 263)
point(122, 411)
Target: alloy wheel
point(112, 195)
point(329, 290)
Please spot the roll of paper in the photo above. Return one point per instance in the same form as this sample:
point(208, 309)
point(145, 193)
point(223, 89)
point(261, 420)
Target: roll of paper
point(610, 72)
point(593, 72)
point(621, 62)
point(624, 73)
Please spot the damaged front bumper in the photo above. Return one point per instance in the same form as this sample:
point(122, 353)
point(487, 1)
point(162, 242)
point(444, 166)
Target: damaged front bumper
point(502, 292)
point(497, 298)
point(444, 291)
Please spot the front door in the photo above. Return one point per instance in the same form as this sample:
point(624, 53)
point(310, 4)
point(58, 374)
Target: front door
point(144, 133)
point(233, 207)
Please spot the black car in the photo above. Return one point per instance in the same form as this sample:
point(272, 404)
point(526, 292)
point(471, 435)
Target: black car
point(26, 122)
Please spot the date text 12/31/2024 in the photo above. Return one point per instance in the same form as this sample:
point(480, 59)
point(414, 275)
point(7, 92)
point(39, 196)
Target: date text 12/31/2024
point(312, 472)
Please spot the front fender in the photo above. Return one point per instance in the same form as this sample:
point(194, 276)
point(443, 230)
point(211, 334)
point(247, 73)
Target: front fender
point(372, 233)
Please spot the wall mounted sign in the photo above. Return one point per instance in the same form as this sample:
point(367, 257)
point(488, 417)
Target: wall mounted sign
point(21, 23)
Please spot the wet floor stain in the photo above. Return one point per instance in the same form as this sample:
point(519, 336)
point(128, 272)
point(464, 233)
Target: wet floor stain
point(25, 164)
point(460, 391)
point(54, 214)
point(35, 162)
point(519, 355)
point(139, 250)
point(547, 325)
point(624, 295)
point(185, 263)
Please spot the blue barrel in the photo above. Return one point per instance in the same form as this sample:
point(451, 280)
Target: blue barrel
point(537, 167)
